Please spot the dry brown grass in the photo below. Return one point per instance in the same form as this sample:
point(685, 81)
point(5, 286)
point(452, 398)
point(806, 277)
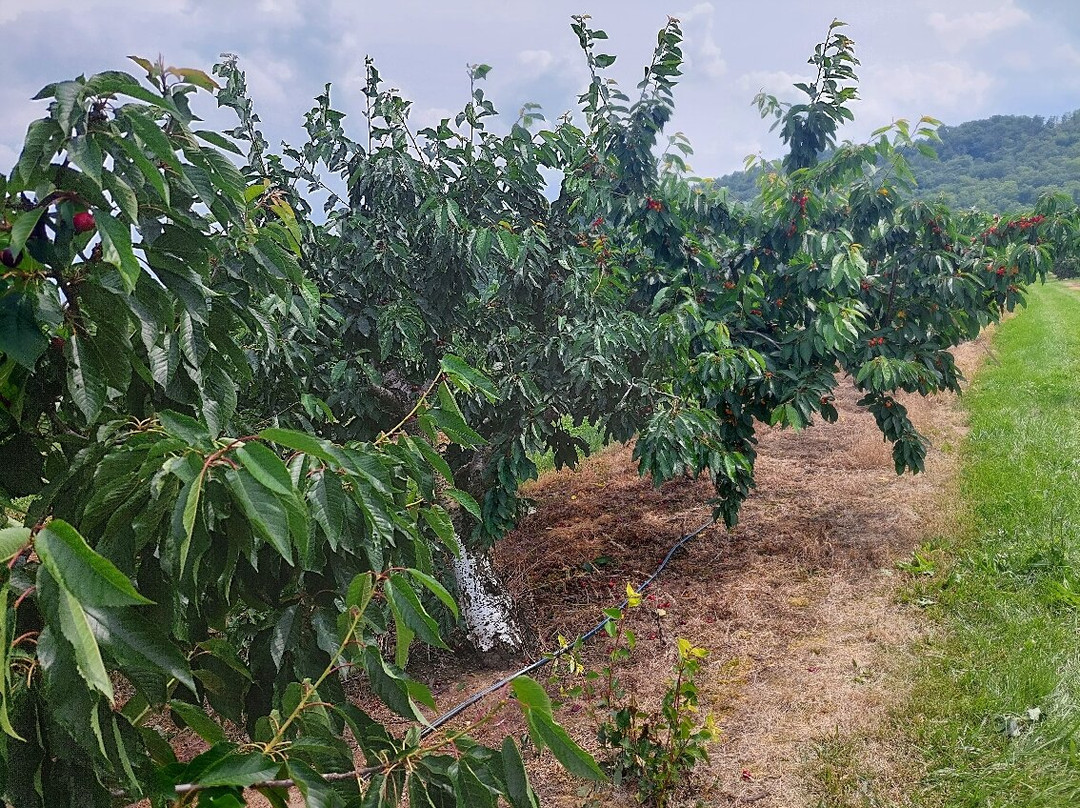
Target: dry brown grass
point(797, 605)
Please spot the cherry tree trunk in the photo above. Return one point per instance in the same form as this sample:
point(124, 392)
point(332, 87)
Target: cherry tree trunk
point(486, 607)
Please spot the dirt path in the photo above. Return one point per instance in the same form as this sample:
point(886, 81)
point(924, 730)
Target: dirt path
point(797, 605)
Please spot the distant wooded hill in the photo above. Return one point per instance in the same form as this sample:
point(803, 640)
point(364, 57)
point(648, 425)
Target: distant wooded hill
point(1003, 163)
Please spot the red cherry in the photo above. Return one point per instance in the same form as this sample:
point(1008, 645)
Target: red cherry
point(10, 260)
point(84, 222)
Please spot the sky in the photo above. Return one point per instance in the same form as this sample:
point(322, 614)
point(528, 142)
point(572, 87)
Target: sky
point(954, 60)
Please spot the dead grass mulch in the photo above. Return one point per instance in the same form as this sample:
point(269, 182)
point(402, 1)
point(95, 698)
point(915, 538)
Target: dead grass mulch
point(797, 605)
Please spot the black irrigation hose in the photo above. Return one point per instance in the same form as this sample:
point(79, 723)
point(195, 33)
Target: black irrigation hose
point(455, 711)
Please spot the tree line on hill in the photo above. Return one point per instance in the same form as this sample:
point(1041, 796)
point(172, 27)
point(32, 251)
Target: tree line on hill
point(1001, 164)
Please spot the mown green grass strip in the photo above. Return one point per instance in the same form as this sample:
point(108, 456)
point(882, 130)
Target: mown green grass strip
point(1008, 594)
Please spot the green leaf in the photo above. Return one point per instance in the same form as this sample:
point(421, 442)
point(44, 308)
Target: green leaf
point(222, 143)
point(390, 686)
point(439, 521)
point(420, 692)
point(185, 428)
point(546, 733)
point(43, 137)
point(116, 248)
point(374, 507)
point(12, 541)
point(5, 648)
point(467, 377)
point(137, 643)
point(86, 379)
point(367, 464)
point(308, 444)
point(86, 154)
point(509, 244)
point(328, 506)
point(407, 607)
point(263, 510)
point(468, 790)
point(436, 588)
point(148, 132)
point(360, 591)
point(123, 196)
point(113, 82)
point(22, 227)
point(191, 493)
point(276, 261)
point(196, 718)
point(231, 768)
point(518, 790)
point(148, 170)
point(317, 793)
point(530, 694)
point(436, 460)
point(266, 467)
point(403, 636)
point(82, 572)
point(20, 334)
point(465, 500)
point(75, 628)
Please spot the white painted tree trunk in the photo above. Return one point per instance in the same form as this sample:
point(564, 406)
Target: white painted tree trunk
point(486, 608)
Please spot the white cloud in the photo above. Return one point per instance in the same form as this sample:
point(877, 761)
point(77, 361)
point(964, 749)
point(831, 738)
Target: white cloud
point(423, 117)
point(1069, 54)
point(270, 81)
point(777, 82)
point(963, 29)
point(280, 12)
point(536, 61)
point(704, 56)
point(951, 91)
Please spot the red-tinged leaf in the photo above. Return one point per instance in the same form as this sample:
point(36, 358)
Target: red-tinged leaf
point(196, 77)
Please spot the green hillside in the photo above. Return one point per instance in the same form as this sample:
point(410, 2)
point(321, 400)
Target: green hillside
point(1001, 163)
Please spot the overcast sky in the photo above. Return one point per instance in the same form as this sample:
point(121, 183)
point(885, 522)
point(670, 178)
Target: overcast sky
point(953, 59)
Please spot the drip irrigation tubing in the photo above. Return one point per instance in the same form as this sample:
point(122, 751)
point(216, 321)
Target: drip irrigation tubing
point(455, 711)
